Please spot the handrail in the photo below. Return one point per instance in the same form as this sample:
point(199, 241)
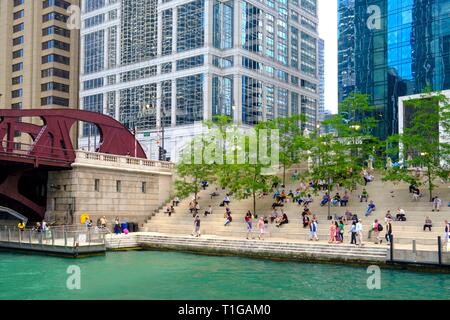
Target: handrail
point(14, 213)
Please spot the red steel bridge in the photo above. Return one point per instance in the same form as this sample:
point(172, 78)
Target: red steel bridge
point(24, 167)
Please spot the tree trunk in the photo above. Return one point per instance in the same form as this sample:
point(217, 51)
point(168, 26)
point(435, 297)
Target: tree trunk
point(430, 184)
point(254, 202)
point(284, 175)
point(329, 197)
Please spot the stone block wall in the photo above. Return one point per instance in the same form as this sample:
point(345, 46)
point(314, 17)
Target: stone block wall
point(75, 191)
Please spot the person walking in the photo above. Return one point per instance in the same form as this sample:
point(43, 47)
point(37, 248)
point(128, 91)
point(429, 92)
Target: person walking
point(103, 222)
point(117, 228)
point(353, 233)
point(359, 232)
point(332, 232)
point(446, 235)
point(262, 228)
point(248, 222)
point(341, 231)
point(196, 226)
point(388, 235)
point(376, 229)
point(228, 217)
point(313, 230)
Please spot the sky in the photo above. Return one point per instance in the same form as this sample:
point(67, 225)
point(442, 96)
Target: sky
point(328, 31)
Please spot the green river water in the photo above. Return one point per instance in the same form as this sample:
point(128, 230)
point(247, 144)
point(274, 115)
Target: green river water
point(170, 275)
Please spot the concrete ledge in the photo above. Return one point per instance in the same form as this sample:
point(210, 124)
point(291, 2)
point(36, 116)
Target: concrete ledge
point(80, 251)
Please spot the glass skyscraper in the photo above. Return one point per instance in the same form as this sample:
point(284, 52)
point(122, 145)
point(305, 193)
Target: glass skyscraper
point(149, 63)
point(391, 48)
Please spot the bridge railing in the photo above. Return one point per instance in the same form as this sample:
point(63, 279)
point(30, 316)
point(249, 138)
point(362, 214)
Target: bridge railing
point(54, 236)
point(96, 158)
point(26, 150)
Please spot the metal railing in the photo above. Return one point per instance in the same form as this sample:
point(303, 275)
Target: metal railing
point(67, 236)
point(421, 252)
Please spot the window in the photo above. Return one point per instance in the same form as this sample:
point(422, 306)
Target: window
point(94, 21)
point(18, 54)
point(54, 100)
point(17, 67)
point(58, 3)
point(118, 186)
point(97, 185)
point(144, 187)
point(18, 14)
point(54, 16)
point(55, 58)
point(55, 86)
point(18, 40)
point(190, 62)
point(190, 25)
point(55, 72)
point(17, 80)
point(17, 106)
point(56, 30)
point(18, 27)
point(94, 51)
point(93, 84)
point(56, 44)
point(17, 93)
point(18, 2)
point(189, 99)
point(91, 5)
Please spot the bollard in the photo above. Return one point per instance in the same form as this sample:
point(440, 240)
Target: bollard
point(391, 238)
point(439, 250)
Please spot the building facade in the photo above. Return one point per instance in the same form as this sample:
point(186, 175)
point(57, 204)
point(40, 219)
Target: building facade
point(389, 49)
point(169, 65)
point(322, 79)
point(38, 56)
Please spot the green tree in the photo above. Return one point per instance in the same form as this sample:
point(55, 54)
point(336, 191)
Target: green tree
point(421, 144)
point(339, 158)
point(190, 171)
point(245, 173)
point(292, 142)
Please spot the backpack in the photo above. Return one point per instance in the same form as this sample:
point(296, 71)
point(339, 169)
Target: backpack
point(380, 227)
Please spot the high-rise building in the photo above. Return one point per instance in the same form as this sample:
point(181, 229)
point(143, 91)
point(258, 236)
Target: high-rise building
point(170, 65)
point(38, 55)
point(322, 79)
point(389, 49)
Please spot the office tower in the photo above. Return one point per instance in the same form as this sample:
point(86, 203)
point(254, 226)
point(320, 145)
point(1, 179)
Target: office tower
point(322, 79)
point(38, 55)
point(165, 66)
point(389, 49)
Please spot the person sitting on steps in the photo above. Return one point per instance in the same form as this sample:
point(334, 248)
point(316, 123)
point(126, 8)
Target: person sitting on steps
point(364, 195)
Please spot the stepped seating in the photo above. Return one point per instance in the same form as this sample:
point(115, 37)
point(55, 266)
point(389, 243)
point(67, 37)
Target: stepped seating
point(385, 195)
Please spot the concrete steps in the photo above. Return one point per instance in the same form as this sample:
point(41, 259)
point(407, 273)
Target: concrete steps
point(181, 222)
